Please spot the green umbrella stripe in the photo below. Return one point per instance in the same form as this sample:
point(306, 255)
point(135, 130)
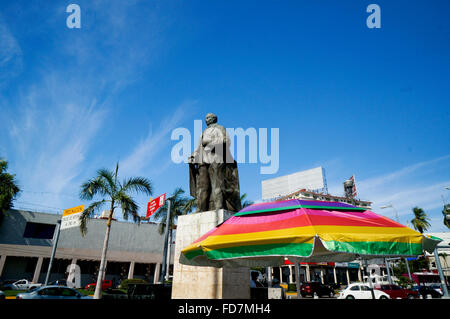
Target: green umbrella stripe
point(282, 249)
point(374, 247)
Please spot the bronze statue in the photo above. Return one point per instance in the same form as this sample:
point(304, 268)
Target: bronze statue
point(213, 173)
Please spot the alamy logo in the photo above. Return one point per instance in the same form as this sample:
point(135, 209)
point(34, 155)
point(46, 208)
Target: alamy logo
point(74, 19)
point(373, 20)
point(231, 147)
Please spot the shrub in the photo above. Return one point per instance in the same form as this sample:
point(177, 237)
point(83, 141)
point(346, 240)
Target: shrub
point(124, 283)
point(292, 287)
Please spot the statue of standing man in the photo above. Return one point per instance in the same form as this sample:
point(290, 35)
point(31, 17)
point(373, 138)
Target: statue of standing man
point(213, 173)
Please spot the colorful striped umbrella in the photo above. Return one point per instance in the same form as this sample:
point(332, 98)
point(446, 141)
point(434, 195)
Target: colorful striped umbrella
point(301, 230)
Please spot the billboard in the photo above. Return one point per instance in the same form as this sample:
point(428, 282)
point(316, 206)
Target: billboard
point(311, 179)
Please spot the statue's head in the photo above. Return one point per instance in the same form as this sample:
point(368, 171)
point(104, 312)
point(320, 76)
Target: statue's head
point(211, 118)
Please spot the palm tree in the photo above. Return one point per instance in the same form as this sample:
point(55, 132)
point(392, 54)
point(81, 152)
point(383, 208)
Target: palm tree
point(117, 195)
point(420, 220)
point(446, 213)
point(8, 188)
point(179, 205)
point(244, 202)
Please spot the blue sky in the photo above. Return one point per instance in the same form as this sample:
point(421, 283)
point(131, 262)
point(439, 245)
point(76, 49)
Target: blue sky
point(369, 102)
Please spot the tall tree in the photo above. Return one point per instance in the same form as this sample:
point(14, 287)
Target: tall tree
point(8, 188)
point(179, 205)
point(116, 195)
point(420, 221)
point(446, 213)
point(244, 202)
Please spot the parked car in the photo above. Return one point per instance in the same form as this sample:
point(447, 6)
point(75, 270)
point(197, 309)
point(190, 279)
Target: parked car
point(426, 291)
point(438, 288)
point(52, 292)
point(106, 284)
point(59, 282)
point(396, 292)
point(313, 287)
point(24, 284)
point(2, 295)
point(7, 284)
point(361, 291)
point(334, 286)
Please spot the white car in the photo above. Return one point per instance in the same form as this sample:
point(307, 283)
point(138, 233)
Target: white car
point(361, 291)
point(24, 284)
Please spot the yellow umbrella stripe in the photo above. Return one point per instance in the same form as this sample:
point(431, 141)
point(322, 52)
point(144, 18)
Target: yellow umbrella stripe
point(306, 234)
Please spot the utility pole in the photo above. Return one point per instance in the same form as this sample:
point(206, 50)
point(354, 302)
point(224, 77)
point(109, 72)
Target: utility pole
point(441, 274)
point(166, 238)
point(55, 243)
point(369, 279)
point(407, 267)
point(386, 262)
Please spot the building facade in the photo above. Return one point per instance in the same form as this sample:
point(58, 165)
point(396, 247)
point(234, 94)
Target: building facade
point(444, 253)
point(26, 239)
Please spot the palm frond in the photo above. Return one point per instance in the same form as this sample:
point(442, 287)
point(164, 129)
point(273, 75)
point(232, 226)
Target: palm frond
point(9, 188)
point(88, 213)
point(137, 184)
point(128, 206)
point(93, 187)
point(3, 165)
point(109, 178)
point(420, 221)
point(244, 202)
point(190, 205)
point(180, 205)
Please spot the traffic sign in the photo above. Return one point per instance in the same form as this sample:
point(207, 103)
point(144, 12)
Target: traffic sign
point(71, 217)
point(155, 204)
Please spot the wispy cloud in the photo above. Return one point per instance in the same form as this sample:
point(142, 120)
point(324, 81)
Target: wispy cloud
point(51, 135)
point(56, 120)
point(421, 184)
point(384, 180)
point(11, 62)
point(156, 140)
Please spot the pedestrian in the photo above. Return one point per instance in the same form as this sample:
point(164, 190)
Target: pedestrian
point(254, 283)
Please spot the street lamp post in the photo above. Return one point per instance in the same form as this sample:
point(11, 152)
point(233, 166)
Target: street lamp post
point(396, 212)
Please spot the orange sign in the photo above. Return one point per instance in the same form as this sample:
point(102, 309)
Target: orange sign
point(73, 210)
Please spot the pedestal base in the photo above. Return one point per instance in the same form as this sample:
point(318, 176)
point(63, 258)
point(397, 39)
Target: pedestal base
point(193, 282)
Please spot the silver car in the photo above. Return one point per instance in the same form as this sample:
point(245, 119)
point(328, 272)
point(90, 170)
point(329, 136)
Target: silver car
point(52, 292)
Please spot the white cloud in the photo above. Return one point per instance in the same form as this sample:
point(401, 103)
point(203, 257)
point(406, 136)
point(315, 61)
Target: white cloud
point(11, 63)
point(421, 184)
point(51, 134)
point(155, 141)
point(53, 123)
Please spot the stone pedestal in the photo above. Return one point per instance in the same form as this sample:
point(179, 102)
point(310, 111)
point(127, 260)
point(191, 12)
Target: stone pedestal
point(193, 282)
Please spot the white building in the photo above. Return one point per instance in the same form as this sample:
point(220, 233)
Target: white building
point(444, 253)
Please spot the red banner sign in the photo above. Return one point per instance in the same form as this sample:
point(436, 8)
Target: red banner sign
point(155, 204)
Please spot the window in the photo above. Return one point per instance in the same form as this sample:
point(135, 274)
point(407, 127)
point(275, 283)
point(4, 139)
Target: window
point(49, 292)
point(68, 292)
point(355, 288)
point(365, 288)
point(39, 230)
